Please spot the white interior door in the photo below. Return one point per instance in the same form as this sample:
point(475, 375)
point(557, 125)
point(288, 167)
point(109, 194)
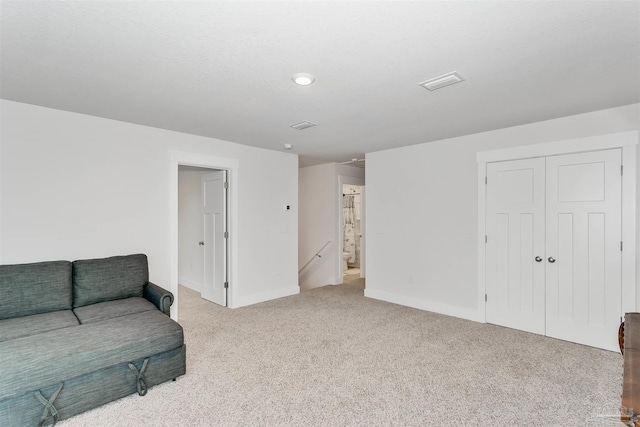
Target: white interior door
point(214, 200)
point(583, 253)
point(515, 244)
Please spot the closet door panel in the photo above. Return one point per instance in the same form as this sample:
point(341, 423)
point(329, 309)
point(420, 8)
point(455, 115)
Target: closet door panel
point(515, 236)
point(583, 271)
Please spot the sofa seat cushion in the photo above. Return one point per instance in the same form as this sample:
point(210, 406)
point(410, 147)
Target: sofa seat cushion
point(33, 362)
point(36, 324)
point(41, 287)
point(112, 309)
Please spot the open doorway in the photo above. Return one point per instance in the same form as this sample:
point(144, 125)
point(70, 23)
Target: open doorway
point(181, 158)
point(202, 232)
point(352, 230)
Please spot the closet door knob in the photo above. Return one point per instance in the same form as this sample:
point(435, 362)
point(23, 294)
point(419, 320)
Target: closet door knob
point(552, 259)
point(538, 259)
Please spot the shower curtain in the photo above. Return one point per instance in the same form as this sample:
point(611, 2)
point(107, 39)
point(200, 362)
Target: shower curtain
point(349, 222)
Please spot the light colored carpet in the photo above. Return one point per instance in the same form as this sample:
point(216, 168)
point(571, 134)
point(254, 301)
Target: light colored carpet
point(331, 357)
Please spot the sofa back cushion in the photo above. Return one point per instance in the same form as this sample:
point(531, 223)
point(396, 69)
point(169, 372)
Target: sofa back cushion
point(27, 289)
point(107, 279)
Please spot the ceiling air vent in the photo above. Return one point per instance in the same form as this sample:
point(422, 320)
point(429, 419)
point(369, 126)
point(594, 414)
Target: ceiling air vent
point(442, 81)
point(303, 125)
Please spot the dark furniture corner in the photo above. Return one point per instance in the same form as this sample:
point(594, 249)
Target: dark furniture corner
point(630, 347)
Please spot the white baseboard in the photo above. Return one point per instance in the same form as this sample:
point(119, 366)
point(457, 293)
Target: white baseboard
point(194, 286)
point(436, 307)
point(266, 296)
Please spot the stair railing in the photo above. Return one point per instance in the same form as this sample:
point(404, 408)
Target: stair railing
point(316, 255)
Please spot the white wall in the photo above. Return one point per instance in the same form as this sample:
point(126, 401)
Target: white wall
point(319, 196)
point(77, 186)
point(422, 210)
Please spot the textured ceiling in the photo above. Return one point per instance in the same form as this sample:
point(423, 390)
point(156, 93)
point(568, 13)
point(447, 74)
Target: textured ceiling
point(223, 69)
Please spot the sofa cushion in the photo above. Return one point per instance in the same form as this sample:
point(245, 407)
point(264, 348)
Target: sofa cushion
point(34, 362)
point(41, 287)
point(112, 309)
point(35, 324)
point(106, 279)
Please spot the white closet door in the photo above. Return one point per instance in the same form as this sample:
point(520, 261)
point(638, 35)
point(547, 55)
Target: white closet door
point(515, 239)
point(583, 258)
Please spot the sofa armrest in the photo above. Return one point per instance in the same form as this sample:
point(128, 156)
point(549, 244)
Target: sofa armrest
point(160, 297)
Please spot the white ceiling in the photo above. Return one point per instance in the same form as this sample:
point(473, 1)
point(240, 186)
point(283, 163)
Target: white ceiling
point(223, 69)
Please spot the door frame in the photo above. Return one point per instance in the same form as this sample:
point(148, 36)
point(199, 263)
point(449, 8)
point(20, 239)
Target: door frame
point(627, 142)
point(182, 158)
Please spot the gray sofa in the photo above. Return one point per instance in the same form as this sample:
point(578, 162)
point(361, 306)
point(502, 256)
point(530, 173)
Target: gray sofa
point(76, 335)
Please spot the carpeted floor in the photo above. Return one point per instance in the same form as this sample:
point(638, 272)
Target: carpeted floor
point(331, 357)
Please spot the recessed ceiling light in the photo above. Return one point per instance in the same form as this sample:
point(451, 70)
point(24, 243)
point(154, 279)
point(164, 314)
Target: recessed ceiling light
point(288, 146)
point(442, 81)
point(303, 79)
